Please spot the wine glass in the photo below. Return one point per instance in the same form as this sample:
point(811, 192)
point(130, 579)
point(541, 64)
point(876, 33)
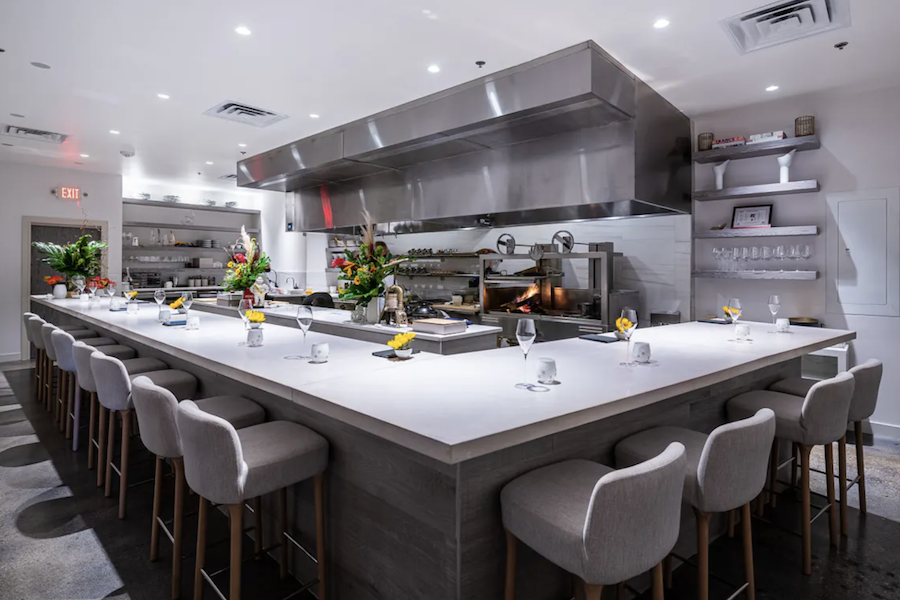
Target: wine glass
point(187, 298)
point(806, 252)
point(774, 307)
point(111, 289)
point(92, 288)
point(160, 296)
point(79, 282)
point(304, 321)
point(525, 334)
point(625, 325)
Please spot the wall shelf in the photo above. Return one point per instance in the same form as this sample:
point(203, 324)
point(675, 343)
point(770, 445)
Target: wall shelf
point(800, 144)
point(761, 232)
point(441, 275)
point(782, 275)
point(189, 206)
point(170, 249)
point(767, 189)
point(183, 227)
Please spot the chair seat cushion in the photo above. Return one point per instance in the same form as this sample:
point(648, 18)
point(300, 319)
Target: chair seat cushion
point(117, 351)
point(237, 410)
point(68, 328)
point(279, 454)
point(137, 366)
point(796, 386)
point(82, 334)
point(100, 341)
point(182, 384)
point(787, 409)
point(653, 442)
point(547, 510)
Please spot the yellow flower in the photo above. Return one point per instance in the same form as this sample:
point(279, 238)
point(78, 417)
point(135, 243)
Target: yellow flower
point(254, 316)
point(623, 324)
point(356, 281)
point(130, 295)
point(177, 304)
point(731, 311)
point(230, 264)
point(401, 340)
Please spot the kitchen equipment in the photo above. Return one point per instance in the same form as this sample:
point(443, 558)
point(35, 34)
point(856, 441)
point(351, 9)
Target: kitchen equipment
point(422, 310)
point(804, 321)
point(665, 317)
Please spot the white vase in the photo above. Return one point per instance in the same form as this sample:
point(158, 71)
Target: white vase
point(784, 164)
point(404, 353)
point(60, 291)
point(719, 171)
point(372, 311)
point(254, 336)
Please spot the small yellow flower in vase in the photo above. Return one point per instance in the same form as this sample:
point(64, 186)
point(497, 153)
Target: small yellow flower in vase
point(401, 343)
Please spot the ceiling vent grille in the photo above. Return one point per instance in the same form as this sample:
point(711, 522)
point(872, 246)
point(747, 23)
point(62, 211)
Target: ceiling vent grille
point(786, 21)
point(37, 135)
point(243, 113)
point(229, 177)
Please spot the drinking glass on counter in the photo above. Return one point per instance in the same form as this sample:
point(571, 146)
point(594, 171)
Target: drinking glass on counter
point(774, 307)
point(79, 282)
point(525, 334)
point(187, 298)
point(92, 288)
point(111, 289)
point(734, 309)
point(304, 318)
point(628, 321)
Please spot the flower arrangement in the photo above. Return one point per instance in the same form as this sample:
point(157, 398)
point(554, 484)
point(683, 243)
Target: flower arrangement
point(401, 341)
point(177, 304)
point(82, 257)
point(366, 268)
point(101, 282)
point(255, 316)
point(51, 281)
point(246, 264)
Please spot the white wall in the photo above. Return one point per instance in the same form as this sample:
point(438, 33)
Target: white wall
point(860, 135)
point(25, 192)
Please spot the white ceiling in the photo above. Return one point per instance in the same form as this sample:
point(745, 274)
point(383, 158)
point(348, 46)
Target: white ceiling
point(345, 60)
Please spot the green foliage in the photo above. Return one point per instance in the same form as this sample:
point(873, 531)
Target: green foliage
point(366, 271)
point(80, 258)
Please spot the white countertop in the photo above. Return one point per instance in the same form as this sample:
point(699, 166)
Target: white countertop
point(453, 408)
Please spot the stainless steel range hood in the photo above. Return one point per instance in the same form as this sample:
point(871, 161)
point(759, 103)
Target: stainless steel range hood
point(569, 136)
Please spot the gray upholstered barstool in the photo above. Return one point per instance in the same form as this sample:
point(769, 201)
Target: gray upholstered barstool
point(113, 383)
point(97, 419)
point(60, 377)
point(603, 526)
point(28, 334)
point(228, 466)
point(818, 419)
point(41, 366)
point(156, 409)
point(725, 470)
point(867, 381)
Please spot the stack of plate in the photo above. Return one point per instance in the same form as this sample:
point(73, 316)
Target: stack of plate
point(208, 243)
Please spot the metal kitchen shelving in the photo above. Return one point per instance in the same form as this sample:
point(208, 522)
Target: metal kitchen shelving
point(799, 230)
point(766, 189)
point(777, 275)
point(800, 144)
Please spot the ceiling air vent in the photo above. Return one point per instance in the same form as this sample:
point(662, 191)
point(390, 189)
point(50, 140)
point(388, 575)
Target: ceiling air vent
point(229, 177)
point(786, 21)
point(37, 135)
point(243, 113)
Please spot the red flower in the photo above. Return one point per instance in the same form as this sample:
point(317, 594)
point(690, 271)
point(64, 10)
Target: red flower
point(338, 262)
point(240, 258)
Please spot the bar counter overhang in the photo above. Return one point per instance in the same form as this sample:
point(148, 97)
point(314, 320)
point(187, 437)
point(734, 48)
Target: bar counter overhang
point(421, 449)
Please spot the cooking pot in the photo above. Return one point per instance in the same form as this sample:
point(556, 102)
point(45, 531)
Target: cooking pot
point(422, 310)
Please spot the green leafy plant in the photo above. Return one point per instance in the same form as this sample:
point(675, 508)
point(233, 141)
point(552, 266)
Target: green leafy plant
point(246, 264)
point(367, 268)
point(83, 257)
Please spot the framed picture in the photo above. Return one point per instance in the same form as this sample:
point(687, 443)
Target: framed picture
point(749, 217)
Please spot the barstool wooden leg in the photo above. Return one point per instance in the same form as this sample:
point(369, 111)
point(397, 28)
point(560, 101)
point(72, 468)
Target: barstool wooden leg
point(805, 509)
point(58, 396)
point(773, 473)
point(658, 593)
point(237, 531)
point(92, 430)
point(795, 465)
point(282, 520)
point(592, 592)
point(178, 533)
point(829, 487)
point(101, 444)
point(702, 554)
point(157, 502)
point(110, 451)
point(201, 548)
point(667, 571)
point(70, 405)
point(730, 523)
point(748, 552)
point(257, 528)
point(123, 462)
point(320, 532)
point(860, 465)
point(510, 593)
point(620, 590)
point(842, 477)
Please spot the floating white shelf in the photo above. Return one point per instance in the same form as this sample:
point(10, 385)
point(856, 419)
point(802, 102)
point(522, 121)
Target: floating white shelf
point(782, 275)
point(760, 232)
point(767, 189)
point(183, 227)
point(188, 206)
point(809, 142)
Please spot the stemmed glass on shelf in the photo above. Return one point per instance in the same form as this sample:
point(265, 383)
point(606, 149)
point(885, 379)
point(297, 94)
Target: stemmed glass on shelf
point(625, 325)
point(774, 307)
point(304, 321)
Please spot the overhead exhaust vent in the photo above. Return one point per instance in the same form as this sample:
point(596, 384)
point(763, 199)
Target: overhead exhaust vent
point(244, 113)
point(786, 21)
point(229, 177)
point(37, 135)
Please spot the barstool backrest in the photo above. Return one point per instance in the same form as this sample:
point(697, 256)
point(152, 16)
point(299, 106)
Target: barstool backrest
point(826, 409)
point(634, 516)
point(213, 460)
point(62, 343)
point(112, 381)
point(156, 408)
point(733, 464)
point(37, 337)
point(865, 393)
point(47, 330)
point(82, 354)
point(25, 318)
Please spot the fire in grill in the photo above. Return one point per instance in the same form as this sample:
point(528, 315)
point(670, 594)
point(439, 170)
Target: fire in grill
point(527, 302)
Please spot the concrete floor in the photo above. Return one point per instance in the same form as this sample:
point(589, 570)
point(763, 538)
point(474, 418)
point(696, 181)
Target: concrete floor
point(61, 539)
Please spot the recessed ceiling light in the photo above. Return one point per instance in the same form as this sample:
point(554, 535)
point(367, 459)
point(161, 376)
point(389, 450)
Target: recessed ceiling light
point(84, 155)
point(242, 145)
point(661, 23)
point(17, 115)
point(163, 96)
point(434, 69)
point(209, 162)
point(241, 30)
point(313, 116)
point(114, 132)
point(771, 88)
point(426, 11)
point(40, 65)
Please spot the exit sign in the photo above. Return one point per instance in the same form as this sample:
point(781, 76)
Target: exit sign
point(70, 193)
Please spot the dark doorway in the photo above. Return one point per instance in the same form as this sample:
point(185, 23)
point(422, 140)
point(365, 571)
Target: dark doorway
point(58, 234)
